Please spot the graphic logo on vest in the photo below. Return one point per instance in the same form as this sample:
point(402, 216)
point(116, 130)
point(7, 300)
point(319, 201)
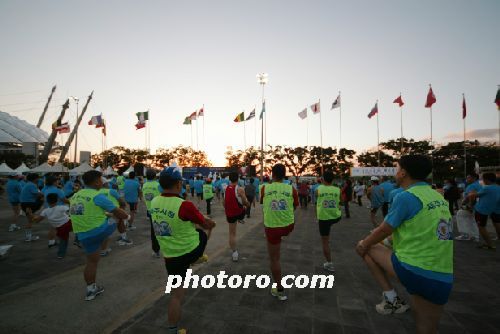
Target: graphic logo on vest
point(77, 210)
point(329, 204)
point(278, 205)
point(149, 196)
point(444, 230)
point(162, 229)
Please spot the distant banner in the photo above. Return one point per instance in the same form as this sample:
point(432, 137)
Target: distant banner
point(373, 171)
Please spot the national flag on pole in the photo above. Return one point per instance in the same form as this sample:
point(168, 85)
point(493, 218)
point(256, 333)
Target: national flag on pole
point(252, 115)
point(240, 117)
point(142, 116)
point(63, 128)
point(399, 100)
point(193, 116)
point(103, 127)
point(464, 108)
point(336, 103)
point(303, 114)
point(431, 98)
point(56, 124)
point(187, 120)
point(315, 108)
point(201, 112)
point(140, 125)
point(497, 98)
point(263, 110)
point(96, 120)
point(374, 111)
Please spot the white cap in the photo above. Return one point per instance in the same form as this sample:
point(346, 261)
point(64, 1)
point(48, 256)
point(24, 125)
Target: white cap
point(374, 178)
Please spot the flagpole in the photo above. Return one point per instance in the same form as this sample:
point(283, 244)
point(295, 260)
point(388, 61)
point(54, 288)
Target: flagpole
point(340, 123)
point(255, 127)
point(191, 124)
point(203, 108)
point(321, 135)
point(197, 133)
point(401, 112)
point(465, 147)
point(378, 138)
point(244, 132)
point(432, 151)
point(307, 131)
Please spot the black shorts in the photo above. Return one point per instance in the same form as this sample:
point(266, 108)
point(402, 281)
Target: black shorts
point(179, 265)
point(325, 225)
point(132, 206)
point(232, 220)
point(373, 210)
point(385, 208)
point(481, 219)
point(33, 206)
point(199, 195)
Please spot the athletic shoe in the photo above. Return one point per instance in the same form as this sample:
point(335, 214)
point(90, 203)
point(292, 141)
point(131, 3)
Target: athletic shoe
point(125, 242)
point(155, 254)
point(328, 266)
point(235, 256)
point(485, 246)
point(278, 294)
point(52, 245)
point(132, 228)
point(13, 228)
point(93, 293)
point(106, 252)
point(77, 244)
point(463, 237)
point(4, 250)
point(201, 259)
point(386, 307)
point(32, 238)
point(494, 238)
point(241, 221)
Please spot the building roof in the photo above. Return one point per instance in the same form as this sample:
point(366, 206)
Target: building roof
point(15, 130)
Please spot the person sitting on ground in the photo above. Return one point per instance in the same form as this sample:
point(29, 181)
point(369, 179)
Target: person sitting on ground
point(422, 256)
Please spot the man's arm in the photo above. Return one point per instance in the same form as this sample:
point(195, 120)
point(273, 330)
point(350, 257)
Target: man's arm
point(295, 198)
point(241, 192)
point(380, 233)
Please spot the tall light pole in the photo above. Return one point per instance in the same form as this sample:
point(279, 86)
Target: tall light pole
point(262, 80)
point(74, 98)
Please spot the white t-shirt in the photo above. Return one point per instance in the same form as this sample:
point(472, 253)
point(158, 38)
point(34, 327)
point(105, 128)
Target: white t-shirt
point(359, 189)
point(56, 215)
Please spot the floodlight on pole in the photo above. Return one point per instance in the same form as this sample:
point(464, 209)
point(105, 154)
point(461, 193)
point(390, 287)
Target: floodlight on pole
point(262, 79)
point(74, 98)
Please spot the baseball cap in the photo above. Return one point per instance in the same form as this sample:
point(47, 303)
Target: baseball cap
point(374, 178)
point(172, 172)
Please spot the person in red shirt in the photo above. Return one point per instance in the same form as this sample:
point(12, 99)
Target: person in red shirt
point(235, 204)
point(304, 194)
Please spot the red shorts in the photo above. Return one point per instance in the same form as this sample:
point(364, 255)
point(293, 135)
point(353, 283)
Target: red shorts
point(274, 234)
point(62, 231)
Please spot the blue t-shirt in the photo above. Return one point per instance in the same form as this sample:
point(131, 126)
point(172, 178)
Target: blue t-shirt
point(405, 207)
point(68, 188)
point(256, 183)
point(388, 187)
point(394, 193)
point(105, 203)
point(489, 200)
point(131, 190)
point(14, 189)
point(29, 194)
point(198, 186)
point(474, 186)
point(53, 190)
point(377, 198)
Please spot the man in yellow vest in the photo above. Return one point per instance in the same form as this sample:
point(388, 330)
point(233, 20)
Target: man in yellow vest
point(328, 213)
point(88, 209)
point(208, 195)
point(279, 203)
point(150, 190)
point(421, 228)
point(178, 226)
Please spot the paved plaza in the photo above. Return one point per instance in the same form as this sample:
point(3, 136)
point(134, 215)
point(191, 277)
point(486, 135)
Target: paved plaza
point(40, 294)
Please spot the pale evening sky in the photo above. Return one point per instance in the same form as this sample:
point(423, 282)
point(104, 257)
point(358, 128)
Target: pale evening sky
point(171, 57)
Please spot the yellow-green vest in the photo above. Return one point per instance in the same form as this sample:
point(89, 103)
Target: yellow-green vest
point(278, 205)
point(327, 203)
point(85, 215)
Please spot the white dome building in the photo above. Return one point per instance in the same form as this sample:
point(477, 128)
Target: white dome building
point(15, 132)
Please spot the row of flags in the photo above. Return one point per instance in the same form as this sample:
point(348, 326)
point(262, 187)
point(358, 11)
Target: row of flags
point(194, 116)
point(241, 116)
point(99, 122)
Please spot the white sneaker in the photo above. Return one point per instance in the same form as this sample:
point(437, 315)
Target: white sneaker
point(106, 252)
point(235, 256)
point(125, 242)
point(328, 266)
point(132, 228)
point(13, 228)
point(156, 255)
point(32, 238)
point(463, 237)
point(386, 307)
point(94, 293)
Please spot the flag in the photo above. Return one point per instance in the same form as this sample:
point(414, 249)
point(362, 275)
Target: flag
point(399, 100)
point(263, 110)
point(201, 112)
point(336, 103)
point(140, 125)
point(431, 98)
point(240, 117)
point(193, 116)
point(103, 127)
point(303, 114)
point(252, 115)
point(497, 98)
point(143, 116)
point(315, 108)
point(374, 111)
point(464, 108)
point(63, 128)
point(56, 124)
point(96, 120)
point(187, 120)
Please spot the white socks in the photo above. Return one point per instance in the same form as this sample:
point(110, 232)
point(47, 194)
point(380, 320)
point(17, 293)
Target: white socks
point(390, 295)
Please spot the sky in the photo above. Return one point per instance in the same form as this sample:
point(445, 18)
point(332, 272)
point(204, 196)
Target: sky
point(173, 57)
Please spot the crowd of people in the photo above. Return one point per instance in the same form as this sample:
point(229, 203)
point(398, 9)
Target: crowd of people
point(413, 242)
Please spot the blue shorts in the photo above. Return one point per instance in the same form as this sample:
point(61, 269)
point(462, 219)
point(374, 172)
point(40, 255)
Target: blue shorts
point(434, 291)
point(93, 243)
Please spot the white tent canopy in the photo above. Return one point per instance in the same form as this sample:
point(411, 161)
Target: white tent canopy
point(84, 167)
point(43, 168)
point(22, 169)
point(98, 168)
point(5, 170)
point(59, 168)
point(110, 171)
point(130, 169)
